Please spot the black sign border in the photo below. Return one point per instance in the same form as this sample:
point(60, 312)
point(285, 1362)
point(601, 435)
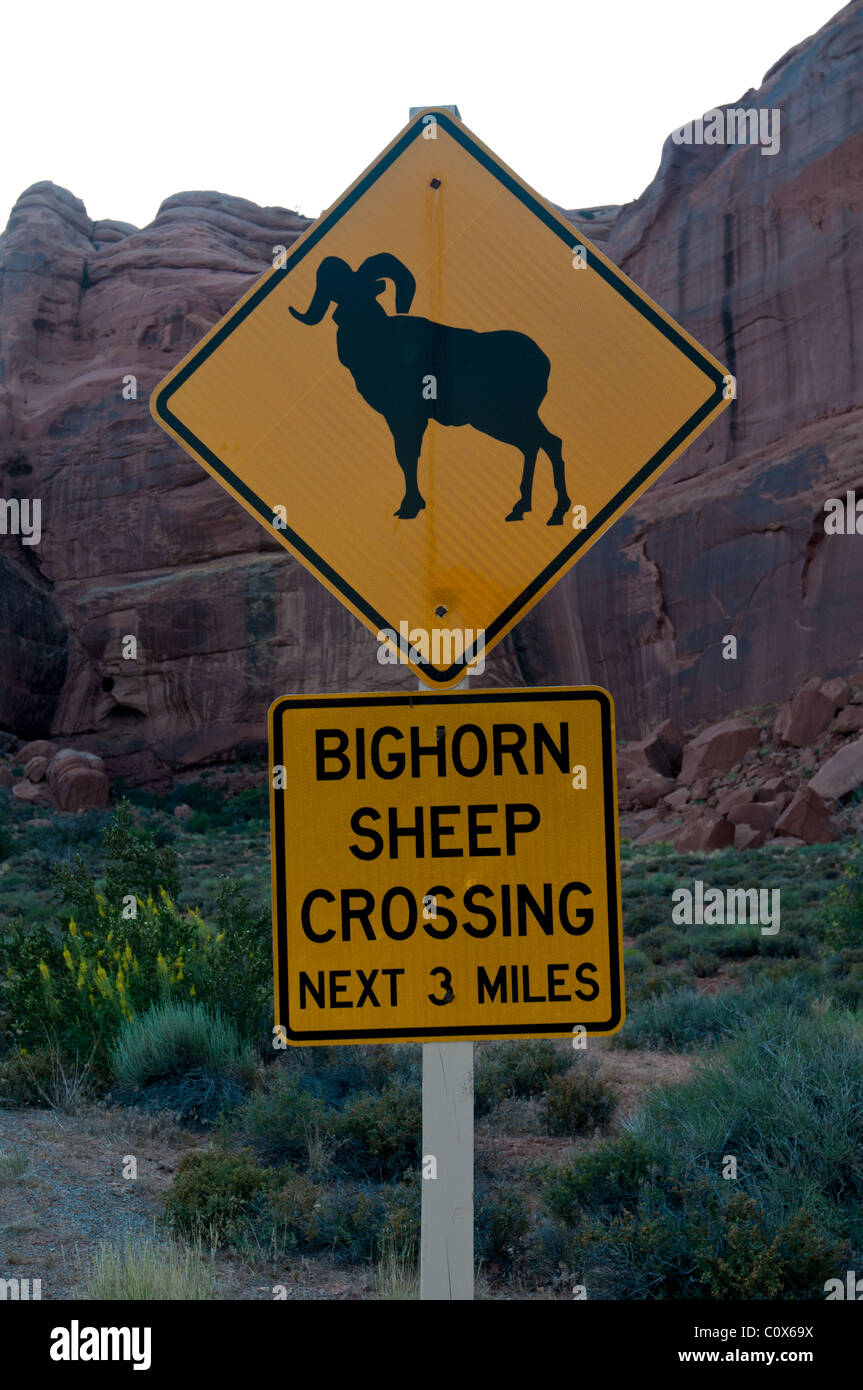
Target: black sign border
point(571, 238)
point(280, 866)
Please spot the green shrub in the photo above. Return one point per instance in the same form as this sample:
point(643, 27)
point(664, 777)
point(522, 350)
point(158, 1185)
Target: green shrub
point(703, 964)
point(844, 909)
point(7, 843)
point(515, 1069)
point(295, 1206)
point(739, 1254)
point(353, 1221)
point(234, 972)
point(337, 1073)
point(278, 1118)
point(696, 1240)
point(501, 1224)
point(401, 1228)
point(215, 1193)
point(643, 916)
point(578, 1102)
point(184, 1058)
point(381, 1133)
point(25, 1077)
point(122, 952)
point(636, 962)
point(66, 831)
point(784, 1098)
point(235, 809)
point(677, 1021)
point(601, 1180)
point(174, 1037)
point(553, 1254)
point(350, 1221)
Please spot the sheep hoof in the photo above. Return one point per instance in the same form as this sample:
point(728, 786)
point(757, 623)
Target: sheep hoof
point(518, 512)
point(556, 518)
point(408, 510)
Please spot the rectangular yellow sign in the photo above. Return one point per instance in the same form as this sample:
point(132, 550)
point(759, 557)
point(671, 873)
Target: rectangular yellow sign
point(445, 866)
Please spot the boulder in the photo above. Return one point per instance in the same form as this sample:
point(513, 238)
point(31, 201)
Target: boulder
point(676, 800)
point(662, 749)
point(77, 780)
point(848, 721)
point(39, 748)
point(841, 773)
point(807, 818)
point(837, 692)
point(718, 748)
point(35, 769)
point(733, 796)
point(759, 815)
point(27, 791)
point(7, 778)
point(771, 789)
point(632, 763)
point(650, 787)
point(747, 837)
point(659, 830)
point(806, 716)
point(183, 811)
point(704, 829)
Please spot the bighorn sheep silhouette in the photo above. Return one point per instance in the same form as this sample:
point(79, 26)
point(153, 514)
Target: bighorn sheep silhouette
point(495, 382)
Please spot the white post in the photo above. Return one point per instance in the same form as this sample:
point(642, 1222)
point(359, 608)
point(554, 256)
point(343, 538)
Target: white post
point(446, 1230)
point(446, 1241)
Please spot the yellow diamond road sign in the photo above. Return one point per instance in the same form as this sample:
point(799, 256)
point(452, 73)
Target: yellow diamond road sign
point(459, 877)
point(440, 398)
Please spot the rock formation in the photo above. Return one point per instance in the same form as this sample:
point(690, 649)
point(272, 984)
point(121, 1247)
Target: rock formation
point(758, 256)
point(761, 258)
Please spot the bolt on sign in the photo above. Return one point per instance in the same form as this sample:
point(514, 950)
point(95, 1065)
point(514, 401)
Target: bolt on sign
point(459, 875)
point(440, 397)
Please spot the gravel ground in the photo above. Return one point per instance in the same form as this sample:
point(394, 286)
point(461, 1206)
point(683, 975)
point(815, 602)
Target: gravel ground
point(72, 1196)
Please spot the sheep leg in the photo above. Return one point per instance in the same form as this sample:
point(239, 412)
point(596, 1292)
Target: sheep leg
point(523, 503)
point(408, 449)
point(554, 448)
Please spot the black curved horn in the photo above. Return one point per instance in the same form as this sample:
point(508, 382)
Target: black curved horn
point(333, 275)
point(387, 267)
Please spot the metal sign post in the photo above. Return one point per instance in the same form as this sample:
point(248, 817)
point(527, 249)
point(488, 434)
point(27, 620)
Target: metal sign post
point(446, 1219)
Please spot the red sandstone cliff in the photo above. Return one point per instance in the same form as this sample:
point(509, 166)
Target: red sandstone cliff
point(758, 256)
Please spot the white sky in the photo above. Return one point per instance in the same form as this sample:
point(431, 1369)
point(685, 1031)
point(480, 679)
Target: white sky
point(285, 104)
